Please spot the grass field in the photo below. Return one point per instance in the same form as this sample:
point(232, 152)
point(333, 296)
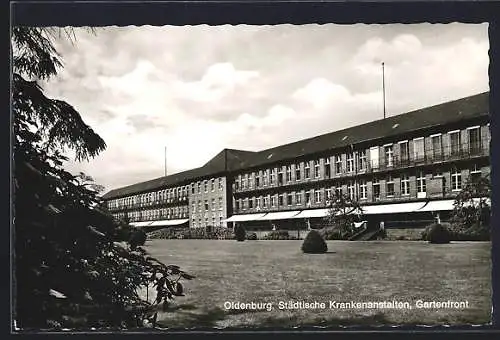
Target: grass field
point(273, 271)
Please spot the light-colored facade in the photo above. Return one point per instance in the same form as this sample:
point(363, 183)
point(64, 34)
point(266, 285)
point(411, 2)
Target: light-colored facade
point(208, 203)
point(411, 161)
point(428, 167)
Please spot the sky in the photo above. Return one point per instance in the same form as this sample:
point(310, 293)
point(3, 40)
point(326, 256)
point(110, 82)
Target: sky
point(199, 89)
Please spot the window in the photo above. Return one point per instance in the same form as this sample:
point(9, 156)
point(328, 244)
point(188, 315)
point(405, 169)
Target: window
point(316, 169)
point(244, 181)
point(266, 201)
point(205, 183)
point(405, 184)
point(474, 140)
point(193, 189)
point(362, 160)
point(338, 164)
point(251, 203)
point(308, 197)
point(288, 173)
point(363, 189)
point(376, 188)
point(298, 198)
point(456, 179)
point(328, 195)
point(199, 189)
point(206, 205)
point(390, 186)
point(213, 204)
point(307, 170)
point(297, 172)
point(404, 151)
point(437, 147)
point(338, 190)
point(421, 185)
point(237, 205)
point(351, 190)
point(350, 162)
point(221, 205)
point(273, 177)
point(273, 201)
point(281, 199)
point(389, 155)
point(257, 180)
point(289, 199)
point(280, 175)
point(194, 207)
point(418, 149)
point(245, 203)
point(454, 143)
point(266, 177)
point(250, 181)
point(327, 167)
point(221, 184)
point(317, 196)
point(258, 204)
point(475, 173)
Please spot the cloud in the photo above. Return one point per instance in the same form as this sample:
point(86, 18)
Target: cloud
point(199, 89)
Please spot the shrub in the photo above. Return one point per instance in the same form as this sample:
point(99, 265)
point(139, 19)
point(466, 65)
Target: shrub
point(332, 233)
point(239, 233)
point(476, 232)
point(252, 236)
point(137, 238)
point(314, 243)
point(437, 233)
point(278, 235)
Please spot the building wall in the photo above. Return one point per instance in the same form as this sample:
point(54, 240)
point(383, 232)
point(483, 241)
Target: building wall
point(161, 204)
point(232, 197)
point(437, 172)
point(200, 215)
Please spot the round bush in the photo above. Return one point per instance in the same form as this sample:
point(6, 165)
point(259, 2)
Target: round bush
point(438, 234)
point(314, 243)
point(239, 233)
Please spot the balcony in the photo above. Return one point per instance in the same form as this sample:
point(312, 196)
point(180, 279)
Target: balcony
point(183, 200)
point(430, 157)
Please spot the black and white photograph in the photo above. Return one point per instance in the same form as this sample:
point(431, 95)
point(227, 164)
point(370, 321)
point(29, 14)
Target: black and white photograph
point(251, 176)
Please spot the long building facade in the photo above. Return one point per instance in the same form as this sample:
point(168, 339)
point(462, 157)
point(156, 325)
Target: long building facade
point(409, 165)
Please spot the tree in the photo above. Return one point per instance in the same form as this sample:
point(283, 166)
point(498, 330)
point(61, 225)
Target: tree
point(342, 213)
point(472, 205)
point(71, 268)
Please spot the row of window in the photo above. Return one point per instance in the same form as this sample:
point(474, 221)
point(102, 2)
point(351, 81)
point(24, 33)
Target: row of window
point(358, 160)
point(206, 185)
point(167, 194)
point(166, 213)
point(206, 206)
point(206, 221)
point(150, 197)
point(356, 189)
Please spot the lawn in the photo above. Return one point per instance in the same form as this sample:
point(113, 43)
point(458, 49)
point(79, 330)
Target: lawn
point(373, 271)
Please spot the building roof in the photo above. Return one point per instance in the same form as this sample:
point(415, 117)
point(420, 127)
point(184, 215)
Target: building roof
point(234, 160)
point(224, 160)
point(446, 113)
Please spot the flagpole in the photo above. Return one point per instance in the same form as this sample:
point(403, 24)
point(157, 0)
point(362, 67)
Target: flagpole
point(165, 161)
point(383, 85)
